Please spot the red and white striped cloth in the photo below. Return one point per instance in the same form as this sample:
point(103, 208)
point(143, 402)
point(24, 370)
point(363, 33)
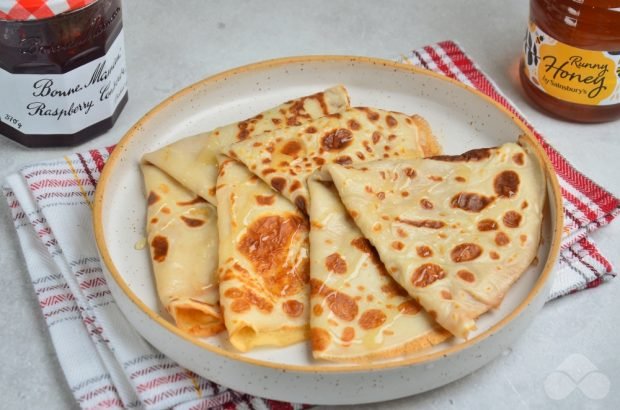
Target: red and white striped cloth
point(37, 9)
point(108, 365)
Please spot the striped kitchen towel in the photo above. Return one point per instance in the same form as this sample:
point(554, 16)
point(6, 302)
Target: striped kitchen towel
point(108, 365)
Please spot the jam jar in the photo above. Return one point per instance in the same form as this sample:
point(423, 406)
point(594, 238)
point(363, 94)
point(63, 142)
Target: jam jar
point(570, 63)
point(63, 78)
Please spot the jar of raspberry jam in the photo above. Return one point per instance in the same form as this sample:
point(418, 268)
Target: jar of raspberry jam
point(63, 79)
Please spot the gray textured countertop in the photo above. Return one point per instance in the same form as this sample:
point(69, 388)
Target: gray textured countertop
point(168, 49)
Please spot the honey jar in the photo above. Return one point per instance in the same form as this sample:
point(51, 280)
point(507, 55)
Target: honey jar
point(570, 64)
point(63, 78)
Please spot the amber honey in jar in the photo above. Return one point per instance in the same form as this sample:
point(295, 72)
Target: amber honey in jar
point(63, 79)
point(571, 58)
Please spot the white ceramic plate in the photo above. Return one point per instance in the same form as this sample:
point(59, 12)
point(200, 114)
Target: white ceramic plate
point(461, 118)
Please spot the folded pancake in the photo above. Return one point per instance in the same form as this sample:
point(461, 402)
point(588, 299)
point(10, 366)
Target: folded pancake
point(263, 261)
point(191, 161)
point(285, 158)
point(454, 231)
point(182, 235)
point(359, 312)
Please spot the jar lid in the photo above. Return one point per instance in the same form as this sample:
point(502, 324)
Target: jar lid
point(37, 9)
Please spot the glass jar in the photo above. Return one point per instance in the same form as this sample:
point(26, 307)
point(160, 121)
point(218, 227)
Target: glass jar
point(571, 58)
point(63, 79)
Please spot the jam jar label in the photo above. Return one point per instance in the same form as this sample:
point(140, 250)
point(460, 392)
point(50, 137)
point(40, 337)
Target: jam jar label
point(65, 103)
point(569, 73)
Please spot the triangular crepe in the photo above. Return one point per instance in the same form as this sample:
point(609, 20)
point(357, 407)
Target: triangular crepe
point(285, 158)
point(359, 312)
point(192, 162)
point(183, 251)
point(454, 231)
point(263, 261)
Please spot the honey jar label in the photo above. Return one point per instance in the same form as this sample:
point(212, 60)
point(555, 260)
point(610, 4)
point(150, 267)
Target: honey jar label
point(569, 73)
point(47, 104)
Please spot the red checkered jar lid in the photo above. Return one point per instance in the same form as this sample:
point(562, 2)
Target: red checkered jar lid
point(20, 10)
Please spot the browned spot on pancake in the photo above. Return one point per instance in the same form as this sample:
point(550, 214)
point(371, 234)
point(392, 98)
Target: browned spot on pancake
point(212, 191)
point(367, 146)
point(368, 189)
point(506, 184)
point(278, 183)
point(337, 140)
point(473, 155)
point(494, 255)
point(512, 219)
point(300, 202)
point(398, 245)
point(240, 305)
point(291, 148)
point(310, 130)
point(264, 161)
point(459, 179)
point(318, 160)
point(195, 201)
point(341, 304)
point(445, 294)
point(404, 194)
point(391, 121)
point(385, 217)
point(319, 338)
point(386, 148)
point(284, 164)
point(424, 223)
point(354, 125)
point(377, 227)
point(380, 195)
point(466, 275)
point(266, 244)
point(392, 137)
point(348, 333)
point(317, 310)
point(265, 199)
point(523, 239)
point(465, 252)
point(435, 178)
point(426, 274)
point(270, 148)
point(370, 298)
point(240, 268)
point(470, 201)
point(432, 314)
point(393, 289)
point(363, 245)
point(354, 214)
point(372, 115)
point(160, 248)
point(268, 171)
point(410, 172)
point(401, 232)
point(524, 205)
point(166, 210)
point(192, 222)
point(276, 121)
point(295, 186)
point(409, 307)
point(376, 137)
point(426, 204)
point(344, 160)
point(424, 251)
point(501, 239)
point(518, 158)
point(257, 144)
point(487, 225)
point(335, 263)
point(154, 220)
point(371, 319)
point(293, 308)
point(233, 293)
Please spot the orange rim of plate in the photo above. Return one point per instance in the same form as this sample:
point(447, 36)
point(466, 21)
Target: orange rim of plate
point(153, 315)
